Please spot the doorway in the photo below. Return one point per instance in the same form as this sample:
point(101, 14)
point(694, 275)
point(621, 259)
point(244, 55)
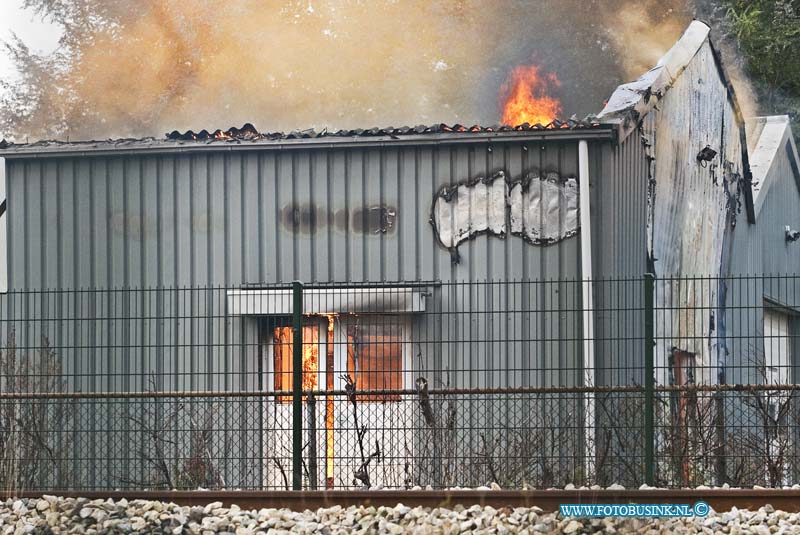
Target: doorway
point(374, 351)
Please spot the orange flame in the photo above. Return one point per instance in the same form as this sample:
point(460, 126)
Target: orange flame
point(310, 363)
point(283, 339)
point(524, 97)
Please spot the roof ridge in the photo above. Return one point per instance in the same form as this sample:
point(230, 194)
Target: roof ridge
point(248, 132)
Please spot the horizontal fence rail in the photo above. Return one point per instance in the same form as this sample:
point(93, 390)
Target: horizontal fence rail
point(423, 384)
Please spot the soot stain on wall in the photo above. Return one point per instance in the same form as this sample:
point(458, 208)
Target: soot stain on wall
point(310, 218)
point(303, 218)
point(374, 219)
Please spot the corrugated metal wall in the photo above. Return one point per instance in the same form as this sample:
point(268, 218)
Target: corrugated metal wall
point(619, 209)
point(266, 216)
point(691, 201)
point(693, 206)
point(619, 214)
point(762, 247)
point(273, 216)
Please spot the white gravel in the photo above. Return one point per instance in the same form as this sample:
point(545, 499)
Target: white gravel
point(59, 515)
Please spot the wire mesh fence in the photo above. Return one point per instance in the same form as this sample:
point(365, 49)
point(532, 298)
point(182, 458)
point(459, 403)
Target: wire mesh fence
point(401, 385)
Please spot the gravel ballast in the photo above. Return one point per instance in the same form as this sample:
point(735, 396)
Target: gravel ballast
point(51, 514)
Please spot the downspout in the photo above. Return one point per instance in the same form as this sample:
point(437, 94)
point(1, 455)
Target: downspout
point(588, 308)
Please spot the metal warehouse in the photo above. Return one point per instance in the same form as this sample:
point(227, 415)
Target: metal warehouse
point(438, 258)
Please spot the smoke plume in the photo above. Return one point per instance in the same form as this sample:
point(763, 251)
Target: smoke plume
point(283, 65)
point(641, 33)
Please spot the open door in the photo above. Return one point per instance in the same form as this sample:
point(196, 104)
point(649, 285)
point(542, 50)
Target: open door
point(360, 331)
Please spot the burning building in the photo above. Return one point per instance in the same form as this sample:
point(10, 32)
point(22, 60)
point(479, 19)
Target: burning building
point(668, 179)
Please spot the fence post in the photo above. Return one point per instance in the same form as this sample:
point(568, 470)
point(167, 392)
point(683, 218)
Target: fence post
point(649, 380)
point(297, 385)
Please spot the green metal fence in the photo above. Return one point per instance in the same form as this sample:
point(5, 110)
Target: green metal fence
point(686, 381)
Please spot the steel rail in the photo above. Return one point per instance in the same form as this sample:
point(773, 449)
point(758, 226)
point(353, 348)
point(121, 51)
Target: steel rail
point(547, 500)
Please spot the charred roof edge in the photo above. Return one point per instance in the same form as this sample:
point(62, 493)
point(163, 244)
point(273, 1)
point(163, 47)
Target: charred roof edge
point(606, 132)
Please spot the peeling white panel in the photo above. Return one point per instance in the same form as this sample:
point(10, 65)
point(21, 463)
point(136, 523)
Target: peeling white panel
point(540, 210)
point(515, 200)
point(478, 215)
point(462, 222)
point(464, 210)
point(496, 202)
point(544, 210)
point(442, 221)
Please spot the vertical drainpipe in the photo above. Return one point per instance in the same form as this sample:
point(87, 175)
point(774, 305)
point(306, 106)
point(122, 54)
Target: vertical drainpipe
point(588, 308)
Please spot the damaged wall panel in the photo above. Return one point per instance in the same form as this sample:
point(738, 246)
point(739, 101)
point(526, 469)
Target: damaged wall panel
point(463, 211)
point(544, 211)
point(693, 206)
point(541, 210)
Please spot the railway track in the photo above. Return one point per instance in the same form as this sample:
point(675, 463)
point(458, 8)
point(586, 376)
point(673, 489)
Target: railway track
point(547, 500)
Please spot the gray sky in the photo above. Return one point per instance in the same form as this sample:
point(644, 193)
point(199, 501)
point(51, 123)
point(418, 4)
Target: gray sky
point(39, 36)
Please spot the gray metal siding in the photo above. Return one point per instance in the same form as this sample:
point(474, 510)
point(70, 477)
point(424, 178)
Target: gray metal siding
point(619, 211)
point(757, 249)
point(762, 247)
point(223, 219)
point(226, 218)
point(692, 206)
